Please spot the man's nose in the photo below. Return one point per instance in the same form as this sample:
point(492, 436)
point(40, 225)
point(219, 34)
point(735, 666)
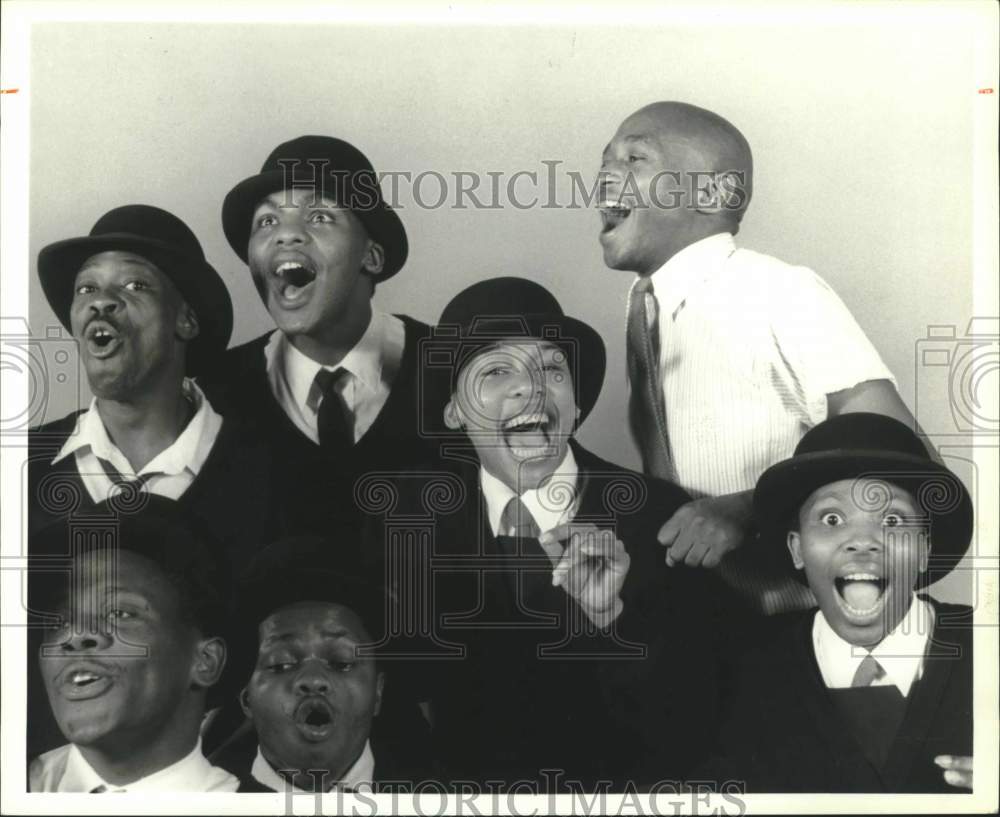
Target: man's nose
point(530, 382)
point(83, 637)
point(313, 679)
point(105, 303)
point(290, 232)
point(867, 540)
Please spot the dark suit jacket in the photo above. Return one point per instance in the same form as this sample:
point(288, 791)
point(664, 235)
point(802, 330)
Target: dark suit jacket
point(637, 702)
point(785, 733)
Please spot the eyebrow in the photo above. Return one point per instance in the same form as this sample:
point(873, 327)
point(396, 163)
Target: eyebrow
point(294, 637)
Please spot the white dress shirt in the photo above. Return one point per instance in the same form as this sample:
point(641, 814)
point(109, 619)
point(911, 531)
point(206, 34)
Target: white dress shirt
point(551, 504)
point(360, 776)
point(372, 365)
point(750, 349)
point(900, 653)
point(170, 473)
point(66, 770)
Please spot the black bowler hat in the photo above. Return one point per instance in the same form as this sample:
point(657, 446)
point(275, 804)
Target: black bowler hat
point(333, 168)
point(869, 446)
point(165, 241)
point(301, 569)
point(515, 309)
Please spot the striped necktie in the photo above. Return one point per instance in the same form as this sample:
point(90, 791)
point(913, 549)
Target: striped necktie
point(647, 416)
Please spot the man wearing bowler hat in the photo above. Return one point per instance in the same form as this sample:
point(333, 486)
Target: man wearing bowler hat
point(872, 692)
point(558, 593)
point(334, 388)
point(148, 312)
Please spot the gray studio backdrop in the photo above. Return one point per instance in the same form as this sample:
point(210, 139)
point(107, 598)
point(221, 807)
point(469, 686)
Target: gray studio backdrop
point(862, 139)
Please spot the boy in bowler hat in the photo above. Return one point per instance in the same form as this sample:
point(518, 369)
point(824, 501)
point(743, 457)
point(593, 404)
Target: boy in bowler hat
point(568, 618)
point(148, 313)
point(334, 388)
point(872, 692)
point(305, 631)
point(133, 652)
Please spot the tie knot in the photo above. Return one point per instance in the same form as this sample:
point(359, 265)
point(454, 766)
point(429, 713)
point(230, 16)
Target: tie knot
point(516, 520)
point(643, 285)
point(869, 671)
point(327, 380)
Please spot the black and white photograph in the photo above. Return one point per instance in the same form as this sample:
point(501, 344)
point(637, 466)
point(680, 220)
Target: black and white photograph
point(526, 409)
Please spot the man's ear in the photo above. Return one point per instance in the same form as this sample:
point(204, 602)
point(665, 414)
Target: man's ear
point(795, 548)
point(209, 662)
point(379, 686)
point(374, 260)
point(453, 416)
point(187, 326)
point(245, 703)
point(718, 194)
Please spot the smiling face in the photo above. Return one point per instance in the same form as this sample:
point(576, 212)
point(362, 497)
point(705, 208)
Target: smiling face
point(671, 175)
point(313, 263)
point(861, 558)
point(131, 324)
point(311, 697)
point(119, 674)
point(517, 404)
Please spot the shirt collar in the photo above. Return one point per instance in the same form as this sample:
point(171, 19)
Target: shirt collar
point(363, 361)
point(901, 652)
point(697, 262)
point(189, 451)
point(361, 774)
point(185, 775)
point(548, 504)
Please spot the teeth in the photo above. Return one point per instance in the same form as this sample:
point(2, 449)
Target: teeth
point(862, 577)
point(613, 204)
point(287, 265)
point(83, 677)
point(525, 419)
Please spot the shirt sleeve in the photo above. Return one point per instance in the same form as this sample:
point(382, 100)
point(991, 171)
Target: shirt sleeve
point(819, 348)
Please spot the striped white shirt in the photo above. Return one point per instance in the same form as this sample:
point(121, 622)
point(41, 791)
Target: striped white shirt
point(750, 347)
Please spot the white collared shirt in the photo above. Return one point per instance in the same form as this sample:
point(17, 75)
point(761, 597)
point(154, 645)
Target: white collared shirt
point(552, 503)
point(372, 365)
point(66, 770)
point(750, 349)
point(170, 473)
point(359, 777)
point(900, 653)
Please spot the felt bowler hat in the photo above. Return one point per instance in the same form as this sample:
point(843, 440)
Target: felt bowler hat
point(516, 309)
point(294, 570)
point(333, 168)
point(165, 241)
point(870, 446)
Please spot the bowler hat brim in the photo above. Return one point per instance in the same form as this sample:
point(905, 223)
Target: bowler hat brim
point(196, 280)
point(783, 488)
point(383, 225)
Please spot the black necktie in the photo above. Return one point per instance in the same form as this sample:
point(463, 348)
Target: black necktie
point(335, 428)
point(647, 415)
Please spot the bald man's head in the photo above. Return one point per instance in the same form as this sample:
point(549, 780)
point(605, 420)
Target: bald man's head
point(682, 173)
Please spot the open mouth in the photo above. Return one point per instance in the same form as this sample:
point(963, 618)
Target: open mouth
point(314, 719)
point(530, 435)
point(293, 280)
point(82, 683)
point(613, 214)
point(861, 595)
point(103, 339)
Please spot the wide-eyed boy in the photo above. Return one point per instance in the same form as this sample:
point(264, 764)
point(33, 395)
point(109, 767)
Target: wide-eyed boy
point(872, 692)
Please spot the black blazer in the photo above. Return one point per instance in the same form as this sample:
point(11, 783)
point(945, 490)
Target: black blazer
point(785, 733)
point(529, 694)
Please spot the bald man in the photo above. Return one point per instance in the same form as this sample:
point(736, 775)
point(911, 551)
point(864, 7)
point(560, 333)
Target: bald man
point(732, 354)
